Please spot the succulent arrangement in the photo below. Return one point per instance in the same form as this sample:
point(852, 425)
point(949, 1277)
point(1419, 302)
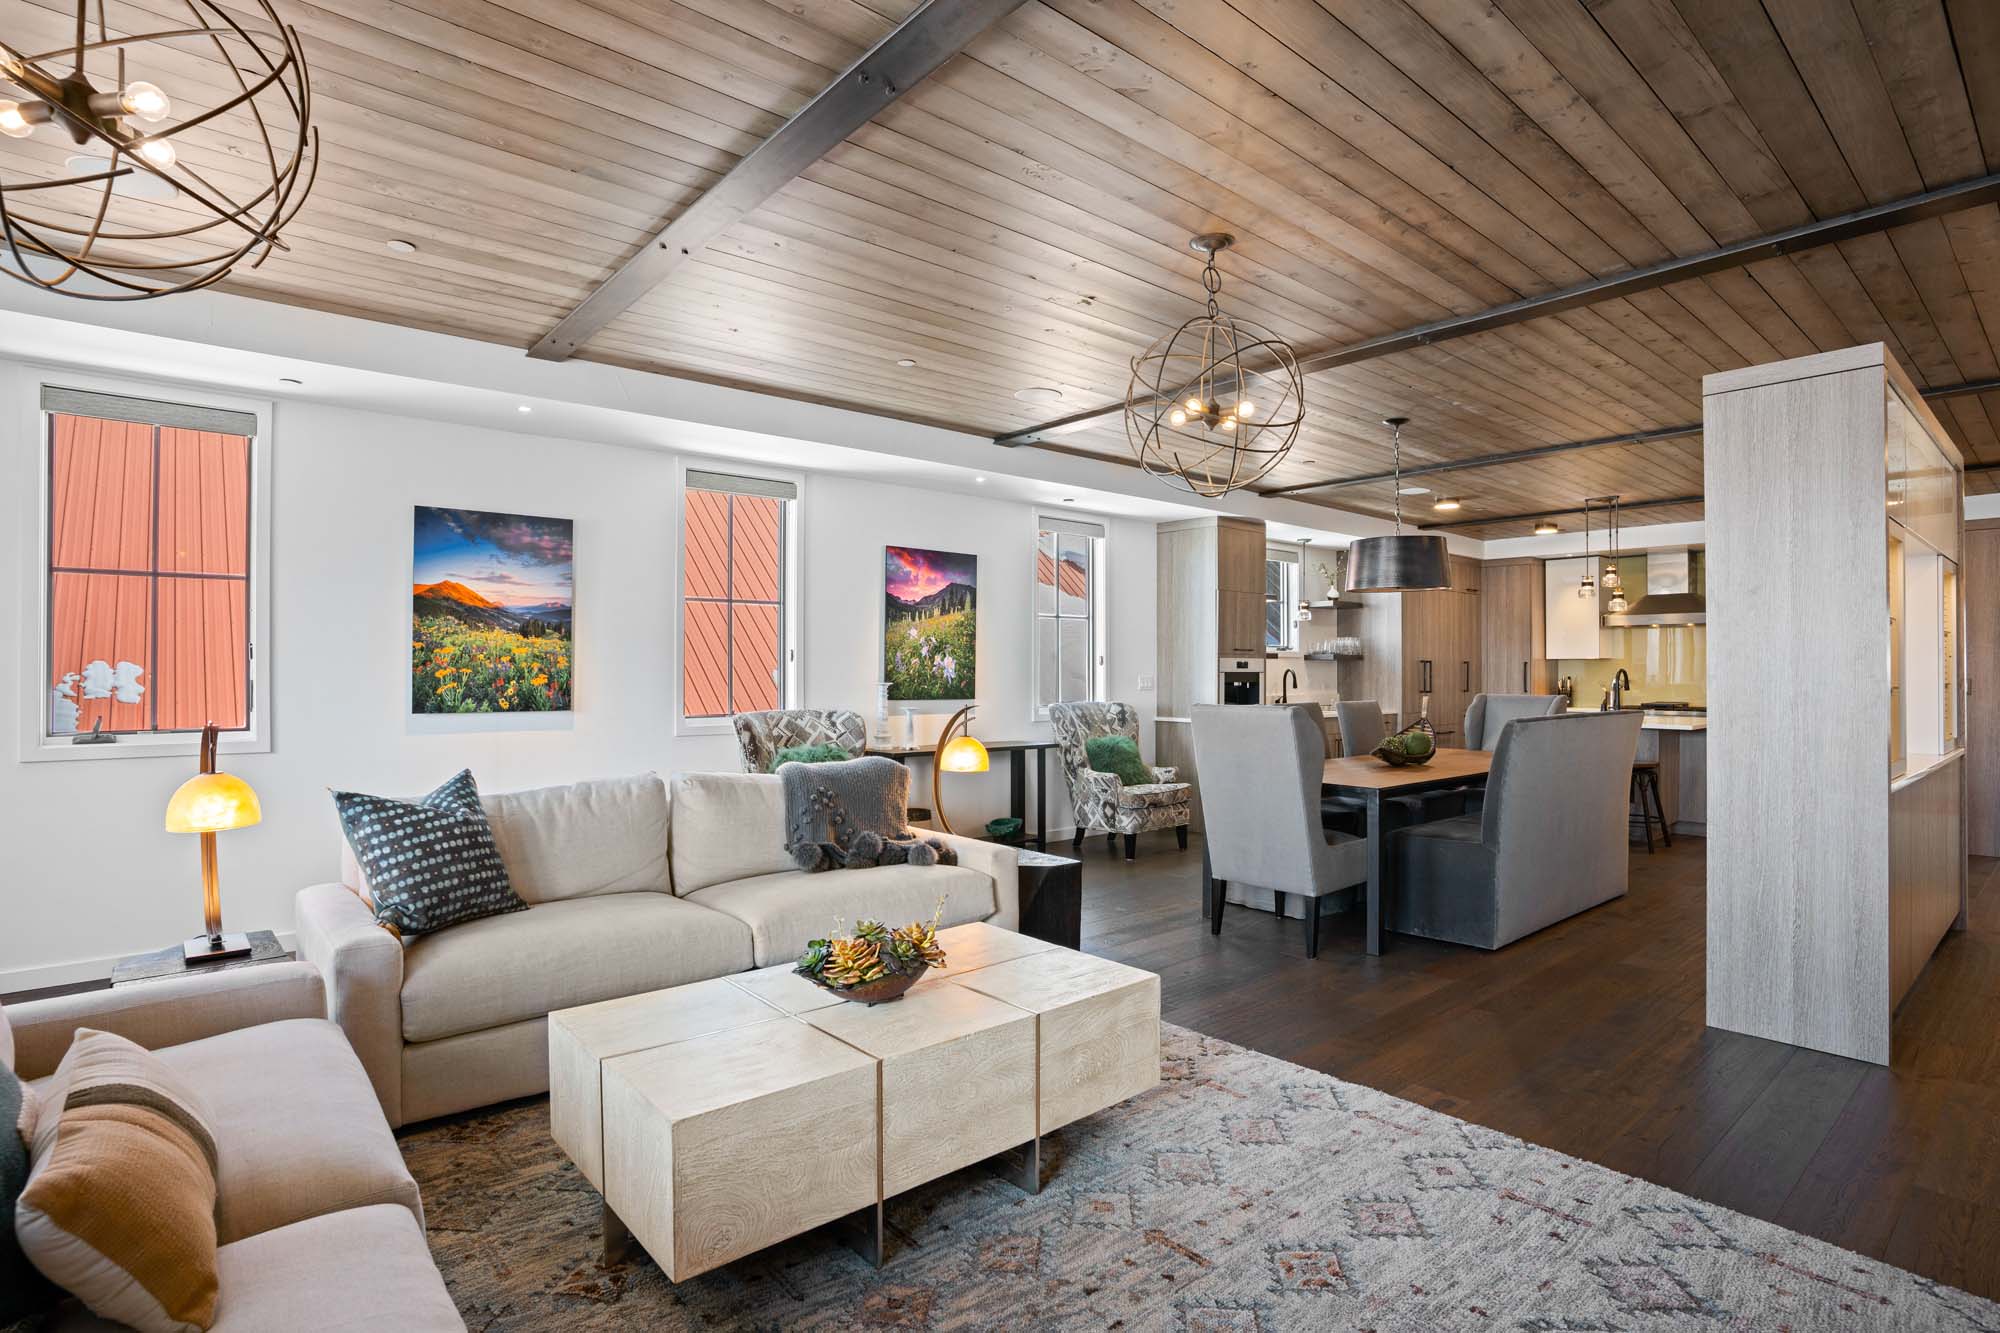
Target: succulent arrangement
point(876, 962)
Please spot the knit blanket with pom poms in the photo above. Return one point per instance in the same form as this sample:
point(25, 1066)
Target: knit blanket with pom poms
point(854, 812)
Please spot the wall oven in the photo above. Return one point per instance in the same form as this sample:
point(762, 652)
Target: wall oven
point(1242, 680)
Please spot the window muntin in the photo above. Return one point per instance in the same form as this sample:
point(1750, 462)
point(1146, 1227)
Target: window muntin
point(147, 566)
point(733, 619)
point(1066, 582)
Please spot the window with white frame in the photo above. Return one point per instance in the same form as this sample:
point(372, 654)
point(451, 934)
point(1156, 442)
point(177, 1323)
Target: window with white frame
point(1281, 599)
point(151, 572)
point(737, 538)
point(1069, 661)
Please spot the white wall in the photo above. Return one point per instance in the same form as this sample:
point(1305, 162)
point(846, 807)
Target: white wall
point(91, 875)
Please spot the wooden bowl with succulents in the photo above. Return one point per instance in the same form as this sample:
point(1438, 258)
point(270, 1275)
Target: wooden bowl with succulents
point(876, 963)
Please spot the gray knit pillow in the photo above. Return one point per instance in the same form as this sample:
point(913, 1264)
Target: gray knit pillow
point(429, 863)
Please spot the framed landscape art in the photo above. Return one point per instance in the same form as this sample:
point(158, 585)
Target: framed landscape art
point(490, 625)
point(930, 623)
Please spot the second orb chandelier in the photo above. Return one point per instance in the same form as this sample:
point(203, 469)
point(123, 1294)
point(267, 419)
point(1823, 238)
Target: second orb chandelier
point(1216, 403)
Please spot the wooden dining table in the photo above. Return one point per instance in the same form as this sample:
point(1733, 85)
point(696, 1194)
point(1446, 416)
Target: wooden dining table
point(1375, 784)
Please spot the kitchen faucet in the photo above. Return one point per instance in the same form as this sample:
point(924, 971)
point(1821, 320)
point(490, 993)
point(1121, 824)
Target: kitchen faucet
point(1285, 684)
point(1619, 684)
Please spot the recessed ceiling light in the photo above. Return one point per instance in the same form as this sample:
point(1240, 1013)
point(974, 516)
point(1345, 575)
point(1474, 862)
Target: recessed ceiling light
point(1039, 393)
point(1069, 499)
point(1413, 490)
point(1445, 503)
point(400, 247)
point(906, 363)
point(1546, 528)
point(980, 480)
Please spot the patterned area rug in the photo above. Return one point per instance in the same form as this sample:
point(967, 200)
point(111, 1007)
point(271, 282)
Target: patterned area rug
point(1243, 1193)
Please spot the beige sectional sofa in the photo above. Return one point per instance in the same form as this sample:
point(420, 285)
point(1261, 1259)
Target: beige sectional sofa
point(316, 1211)
point(633, 884)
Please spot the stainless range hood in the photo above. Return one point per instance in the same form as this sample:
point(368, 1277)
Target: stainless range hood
point(1670, 596)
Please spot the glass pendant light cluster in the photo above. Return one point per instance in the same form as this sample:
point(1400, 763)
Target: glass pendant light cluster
point(71, 225)
point(1405, 562)
point(1613, 582)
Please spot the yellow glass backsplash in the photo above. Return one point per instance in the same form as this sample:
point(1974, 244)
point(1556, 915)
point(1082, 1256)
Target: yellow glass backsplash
point(1664, 662)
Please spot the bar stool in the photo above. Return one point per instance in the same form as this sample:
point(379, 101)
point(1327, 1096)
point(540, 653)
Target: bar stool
point(1646, 780)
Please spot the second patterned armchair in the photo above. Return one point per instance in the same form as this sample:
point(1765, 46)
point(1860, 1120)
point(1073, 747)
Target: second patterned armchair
point(1101, 802)
point(761, 735)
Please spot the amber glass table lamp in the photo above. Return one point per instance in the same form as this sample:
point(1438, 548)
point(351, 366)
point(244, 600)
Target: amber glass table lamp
point(209, 803)
point(955, 754)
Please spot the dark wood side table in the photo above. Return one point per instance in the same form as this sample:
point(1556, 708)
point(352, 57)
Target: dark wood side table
point(1052, 898)
point(161, 963)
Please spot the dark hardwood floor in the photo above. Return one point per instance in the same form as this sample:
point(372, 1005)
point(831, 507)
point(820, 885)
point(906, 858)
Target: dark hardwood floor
point(1589, 1038)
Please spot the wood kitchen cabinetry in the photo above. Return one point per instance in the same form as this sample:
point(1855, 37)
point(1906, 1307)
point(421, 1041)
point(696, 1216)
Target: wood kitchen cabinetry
point(1421, 643)
point(1513, 611)
point(1211, 606)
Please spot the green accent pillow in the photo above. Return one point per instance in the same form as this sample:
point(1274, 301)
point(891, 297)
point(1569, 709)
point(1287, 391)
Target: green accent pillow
point(826, 752)
point(1118, 756)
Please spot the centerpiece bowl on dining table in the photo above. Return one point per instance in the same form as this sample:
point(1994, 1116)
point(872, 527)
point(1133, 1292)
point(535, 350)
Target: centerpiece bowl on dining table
point(1414, 745)
point(875, 964)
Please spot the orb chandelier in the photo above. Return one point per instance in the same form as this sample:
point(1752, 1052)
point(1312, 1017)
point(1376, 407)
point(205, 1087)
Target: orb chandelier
point(1216, 403)
point(1404, 561)
point(116, 191)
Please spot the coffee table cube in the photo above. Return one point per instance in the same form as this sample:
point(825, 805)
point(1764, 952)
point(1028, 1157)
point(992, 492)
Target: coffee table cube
point(958, 1078)
point(582, 1039)
point(718, 1146)
point(1099, 1027)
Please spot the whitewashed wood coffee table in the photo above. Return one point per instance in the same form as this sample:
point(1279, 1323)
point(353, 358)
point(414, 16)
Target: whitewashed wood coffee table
point(722, 1117)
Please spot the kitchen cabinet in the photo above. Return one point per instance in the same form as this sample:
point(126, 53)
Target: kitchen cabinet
point(1210, 606)
point(1573, 625)
point(1417, 644)
point(1513, 611)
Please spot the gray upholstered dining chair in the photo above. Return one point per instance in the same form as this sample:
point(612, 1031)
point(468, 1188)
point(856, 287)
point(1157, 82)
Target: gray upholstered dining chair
point(761, 735)
point(1362, 728)
point(1488, 713)
point(1261, 767)
point(1549, 844)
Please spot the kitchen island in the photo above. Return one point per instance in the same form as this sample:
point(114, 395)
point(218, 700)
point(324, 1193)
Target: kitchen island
point(1679, 741)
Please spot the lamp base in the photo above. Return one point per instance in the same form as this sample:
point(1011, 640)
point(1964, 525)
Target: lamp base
point(214, 949)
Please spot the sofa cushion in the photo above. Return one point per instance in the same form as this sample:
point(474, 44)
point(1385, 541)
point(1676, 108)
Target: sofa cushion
point(727, 826)
point(430, 863)
point(502, 969)
point(120, 1205)
point(786, 911)
point(23, 1290)
point(298, 1131)
point(607, 836)
point(363, 1268)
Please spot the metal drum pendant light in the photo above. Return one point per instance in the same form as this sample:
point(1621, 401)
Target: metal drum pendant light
point(1407, 561)
point(1215, 404)
point(119, 192)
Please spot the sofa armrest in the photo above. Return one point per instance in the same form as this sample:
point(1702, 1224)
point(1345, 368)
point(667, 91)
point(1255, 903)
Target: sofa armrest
point(166, 1012)
point(363, 964)
point(998, 862)
point(1165, 774)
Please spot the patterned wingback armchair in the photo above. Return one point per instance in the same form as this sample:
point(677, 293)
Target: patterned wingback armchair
point(1104, 804)
point(762, 735)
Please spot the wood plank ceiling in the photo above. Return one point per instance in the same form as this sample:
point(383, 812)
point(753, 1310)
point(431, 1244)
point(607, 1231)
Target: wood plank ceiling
point(1020, 219)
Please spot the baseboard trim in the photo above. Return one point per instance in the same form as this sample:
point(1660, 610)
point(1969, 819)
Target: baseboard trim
point(15, 980)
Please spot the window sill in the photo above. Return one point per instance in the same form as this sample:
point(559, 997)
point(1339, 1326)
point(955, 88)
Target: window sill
point(132, 747)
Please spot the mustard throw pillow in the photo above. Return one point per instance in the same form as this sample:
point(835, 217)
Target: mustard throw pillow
point(120, 1205)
